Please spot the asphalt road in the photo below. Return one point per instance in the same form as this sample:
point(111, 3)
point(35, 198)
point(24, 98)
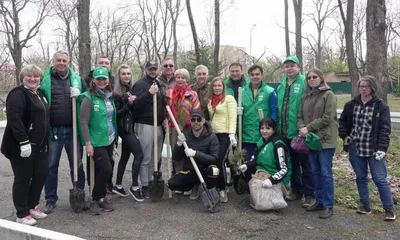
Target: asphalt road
point(182, 218)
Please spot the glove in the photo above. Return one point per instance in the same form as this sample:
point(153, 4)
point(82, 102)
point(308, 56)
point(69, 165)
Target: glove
point(379, 155)
point(243, 168)
point(26, 150)
point(74, 92)
point(190, 152)
point(232, 139)
point(181, 139)
point(267, 184)
point(239, 111)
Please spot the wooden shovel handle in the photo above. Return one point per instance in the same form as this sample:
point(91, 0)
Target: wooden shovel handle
point(240, 119)
point(260, 114)
point(155, 141)
point(74, 140)
point(168, 155)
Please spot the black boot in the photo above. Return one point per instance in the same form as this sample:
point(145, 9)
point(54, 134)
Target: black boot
point(327, 213)
point(315, 207)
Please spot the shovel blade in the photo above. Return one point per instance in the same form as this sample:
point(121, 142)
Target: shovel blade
point(210, 198)
point(77, 199)
point(156, 190)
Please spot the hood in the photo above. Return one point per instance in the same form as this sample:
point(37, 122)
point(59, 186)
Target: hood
point(373, 100)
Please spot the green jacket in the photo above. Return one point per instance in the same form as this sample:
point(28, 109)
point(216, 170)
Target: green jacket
point(98, 122)
point(297, 90)
point(228, 84)
point(266, 159)
point(251, 119)
point(325, 122)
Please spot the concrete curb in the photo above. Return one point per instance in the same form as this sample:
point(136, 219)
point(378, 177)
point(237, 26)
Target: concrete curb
point(16, 231)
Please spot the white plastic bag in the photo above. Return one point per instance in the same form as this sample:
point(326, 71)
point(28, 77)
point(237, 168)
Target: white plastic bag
point(263, 199)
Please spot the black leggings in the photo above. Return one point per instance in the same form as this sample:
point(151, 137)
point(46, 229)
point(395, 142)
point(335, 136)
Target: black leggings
point(224, 142)
point(103, 170)
point(130, 144)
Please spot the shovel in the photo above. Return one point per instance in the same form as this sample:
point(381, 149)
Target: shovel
point(156, 186)
point(210, 197)
point(168, 157)
point(76, 195)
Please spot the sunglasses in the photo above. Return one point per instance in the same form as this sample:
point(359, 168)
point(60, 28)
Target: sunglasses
point(194, 119)
point(168, 65)
point(313, 77)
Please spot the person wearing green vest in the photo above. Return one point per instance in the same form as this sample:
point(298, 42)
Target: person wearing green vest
point(272, 155)
point(235, 80)
point(60, 84)
point(256, 95)
point(98, 119)
point(290, 91)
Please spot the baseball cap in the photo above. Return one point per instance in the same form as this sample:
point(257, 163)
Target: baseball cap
point(150, 64)
point(293, 59)
point(100, 72)
point(197, 113)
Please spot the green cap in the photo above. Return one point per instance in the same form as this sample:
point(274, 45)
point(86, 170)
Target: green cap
point(313, 142)
point(100, 72)
point(293, 59)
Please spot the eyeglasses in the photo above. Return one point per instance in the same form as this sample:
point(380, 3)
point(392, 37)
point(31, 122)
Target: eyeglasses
point(313, 77)
point(363, 87)
point(194, 119)
point(168, 65)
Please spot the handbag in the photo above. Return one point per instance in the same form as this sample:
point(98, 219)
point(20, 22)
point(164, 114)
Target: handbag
point(298, 144)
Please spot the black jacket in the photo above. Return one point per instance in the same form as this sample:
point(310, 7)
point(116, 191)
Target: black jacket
point(206, 147)
point(27, 121)
point(89, 77)
point(61, 103)
point(125, 117)
point(381, 125)
point(144, 102)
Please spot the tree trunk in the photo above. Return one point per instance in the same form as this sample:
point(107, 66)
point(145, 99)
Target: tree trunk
point(348, 30)
point(377, 45)
point(194, 33)
point(83, 9)
point(287, 40)
point(217, 39)
point(298, 5)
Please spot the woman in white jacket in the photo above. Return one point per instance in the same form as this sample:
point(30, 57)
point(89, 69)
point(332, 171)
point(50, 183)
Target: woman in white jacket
point(223, 119)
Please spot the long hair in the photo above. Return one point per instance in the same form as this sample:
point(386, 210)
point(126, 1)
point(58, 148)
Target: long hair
point(210, 92)
point(319, 74)
point(118, 88)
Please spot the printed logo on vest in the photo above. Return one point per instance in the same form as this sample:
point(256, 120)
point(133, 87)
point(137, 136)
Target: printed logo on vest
point(296, 88)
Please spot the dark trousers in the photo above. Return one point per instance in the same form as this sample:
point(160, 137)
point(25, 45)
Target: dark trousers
point(186, 179)
point(250, 150)
point(109, 182)
point(301, 181)
point(103, 170)
point(224, 142)
point(130, 144)
point(29, 178)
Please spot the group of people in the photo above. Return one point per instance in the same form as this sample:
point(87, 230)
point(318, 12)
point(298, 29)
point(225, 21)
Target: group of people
point(40, 125)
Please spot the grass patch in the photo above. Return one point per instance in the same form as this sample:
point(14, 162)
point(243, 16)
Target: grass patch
point(2, 117)
point(394, 102)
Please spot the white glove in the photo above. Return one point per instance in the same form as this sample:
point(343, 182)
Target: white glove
point(74, 92)
point(181, 139)
point(379, 155)
point(243, 168)
point(239, 111)
point(232, 139)
point(26, 150)
point(190, 152)
point(267, 184)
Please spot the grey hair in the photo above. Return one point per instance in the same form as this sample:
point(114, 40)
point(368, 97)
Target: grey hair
point(372, 82)
point(184, 72)
point(118, 88)
point(31, 69)
point(60, 52)
point(200, 67)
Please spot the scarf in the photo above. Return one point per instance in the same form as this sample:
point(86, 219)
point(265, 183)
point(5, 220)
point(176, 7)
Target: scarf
point(215, 100)
point(178, 94)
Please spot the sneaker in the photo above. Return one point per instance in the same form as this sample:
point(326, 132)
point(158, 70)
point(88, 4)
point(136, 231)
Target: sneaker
point(49, 208)
point(37, 214)
point(105, 205)
point(28, 220)
point(293, 196)
point(178, 192)
point(223, 196)
point(187, 193)
point(308, 202)
point(109, 189)
point(120, 191)
point(195, 192)
point(315, 207)
point(145, 192)
point(94, 208)
point(364, 209)
point(389, 215)
point(136, 194)
point(326, 213)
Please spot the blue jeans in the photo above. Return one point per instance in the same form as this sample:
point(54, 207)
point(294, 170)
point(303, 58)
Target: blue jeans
point(321, 165)
point(64, 139)
point(378, 173)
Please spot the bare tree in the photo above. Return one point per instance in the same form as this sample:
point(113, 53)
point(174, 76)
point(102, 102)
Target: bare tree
point(217, 37)
point(376, 45)
point(298, 8)
point(348, 29)
point(287, 40)
point(359, 37)
point(174, 11)
point(194, 33)
point(83, 10)
point(10, 14)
